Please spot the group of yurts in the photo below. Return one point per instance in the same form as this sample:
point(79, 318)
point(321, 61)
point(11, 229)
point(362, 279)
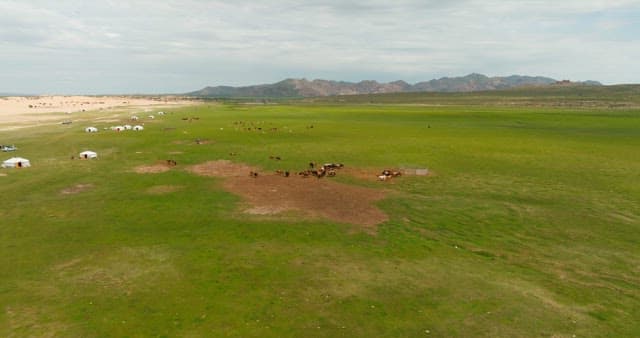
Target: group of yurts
point(20, 162)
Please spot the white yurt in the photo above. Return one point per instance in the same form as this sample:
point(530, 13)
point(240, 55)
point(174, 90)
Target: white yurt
point(160, 113)
point(152, 117)
point(88, 154)
point(91, 129)
point(16, 162)
point(134, 118)
point(138, 128)
point(127, 127)
point(117, 128)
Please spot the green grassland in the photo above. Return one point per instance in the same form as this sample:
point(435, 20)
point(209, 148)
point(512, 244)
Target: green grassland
point(529, 226)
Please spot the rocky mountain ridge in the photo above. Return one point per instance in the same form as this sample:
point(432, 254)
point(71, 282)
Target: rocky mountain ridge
point(318, 87)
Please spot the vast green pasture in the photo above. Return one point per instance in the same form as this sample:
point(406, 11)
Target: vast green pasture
point(528, 226)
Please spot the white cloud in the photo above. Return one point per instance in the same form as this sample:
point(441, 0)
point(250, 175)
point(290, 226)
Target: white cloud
point(148, 46)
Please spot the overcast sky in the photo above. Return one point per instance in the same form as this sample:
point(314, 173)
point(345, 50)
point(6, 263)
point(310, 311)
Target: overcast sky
point(140, 46)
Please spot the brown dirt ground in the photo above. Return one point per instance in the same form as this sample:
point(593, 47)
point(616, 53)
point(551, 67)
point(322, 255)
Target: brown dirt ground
point(271, 194)
point(363, 174)
point(222, 168)
point(76, 189)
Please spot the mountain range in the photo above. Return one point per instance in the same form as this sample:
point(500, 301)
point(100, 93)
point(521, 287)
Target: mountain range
point(315, 88)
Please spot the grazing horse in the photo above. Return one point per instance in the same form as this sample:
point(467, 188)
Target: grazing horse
point(305, 173)
point(334, 165)
point(284, 173)
point(389, 174)
point(253, 174)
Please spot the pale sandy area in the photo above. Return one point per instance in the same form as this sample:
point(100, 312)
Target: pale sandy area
point(17, 112)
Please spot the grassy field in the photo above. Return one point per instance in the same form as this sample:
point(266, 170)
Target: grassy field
point(528, 226)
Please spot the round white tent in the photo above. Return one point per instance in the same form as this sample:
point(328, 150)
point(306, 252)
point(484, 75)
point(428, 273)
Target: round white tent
point(127, 127)
point(16, 162)
point(88, 154)
point(91, 129)
point(137, 128)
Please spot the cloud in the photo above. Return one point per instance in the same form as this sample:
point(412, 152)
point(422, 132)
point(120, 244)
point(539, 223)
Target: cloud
point(181, 45)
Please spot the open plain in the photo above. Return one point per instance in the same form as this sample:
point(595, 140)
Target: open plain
point(29, 111)
point(527, 224)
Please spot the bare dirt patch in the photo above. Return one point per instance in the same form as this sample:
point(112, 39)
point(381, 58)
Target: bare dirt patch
point(76, 189)
point(222, 168)
point(264, 210)
point(163, 189)
point(363, 174)
point(159, 167)
point(270, 194)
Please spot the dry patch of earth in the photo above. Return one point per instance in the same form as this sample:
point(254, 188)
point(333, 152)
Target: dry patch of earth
point(222, 168)
point(270, 194)
point(159, 167)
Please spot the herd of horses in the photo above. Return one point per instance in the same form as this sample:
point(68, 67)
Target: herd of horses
point(325, 170)
point(314, 170)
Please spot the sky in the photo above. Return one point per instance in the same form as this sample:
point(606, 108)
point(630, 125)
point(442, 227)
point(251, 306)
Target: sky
point(152, 46)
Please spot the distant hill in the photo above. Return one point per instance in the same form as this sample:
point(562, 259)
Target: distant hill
point(317, 88)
